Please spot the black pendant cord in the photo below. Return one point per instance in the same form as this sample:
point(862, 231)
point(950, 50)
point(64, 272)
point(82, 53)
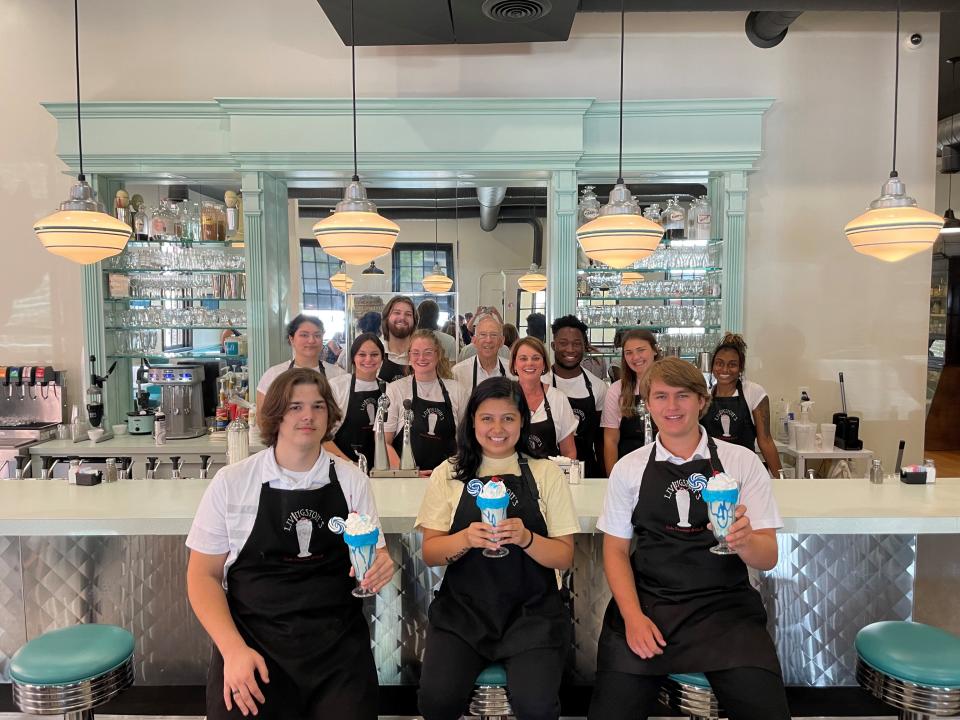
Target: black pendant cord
point(353, 83)
point(436, 225)
point(76, 60)
point(620, 157)
point(952, 61)
point(896, 94)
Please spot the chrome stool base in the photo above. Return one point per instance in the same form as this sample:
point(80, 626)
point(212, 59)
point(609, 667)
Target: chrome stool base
point(76, 700)
point(490, 702)
point(696, 702)
point(913, 701)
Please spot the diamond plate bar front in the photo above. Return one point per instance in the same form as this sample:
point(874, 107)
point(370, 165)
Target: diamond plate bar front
point(823, 590)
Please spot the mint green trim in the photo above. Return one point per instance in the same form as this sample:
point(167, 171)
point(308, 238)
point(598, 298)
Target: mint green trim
point(561, 251)
point(734, 249)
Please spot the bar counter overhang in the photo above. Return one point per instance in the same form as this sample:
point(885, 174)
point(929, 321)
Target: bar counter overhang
point(850, 553)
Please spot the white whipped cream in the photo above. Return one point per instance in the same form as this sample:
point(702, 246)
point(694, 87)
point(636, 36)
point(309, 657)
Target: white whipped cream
point(357, 524)
point(722, 481)
point(493, 489)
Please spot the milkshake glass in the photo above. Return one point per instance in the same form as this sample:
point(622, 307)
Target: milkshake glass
point(721, 496)
point(493, 501)
point(361, 536)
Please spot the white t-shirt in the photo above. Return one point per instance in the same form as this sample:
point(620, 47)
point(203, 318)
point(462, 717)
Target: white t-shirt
point(228, 509)
point(448, 343)
point(577, 388)
point(753, 393)
point(402, 389)
point(463, 371)
point(565, 422)
point(623, 488)
point(340, 386)
point(610, 418)
point(266, 380)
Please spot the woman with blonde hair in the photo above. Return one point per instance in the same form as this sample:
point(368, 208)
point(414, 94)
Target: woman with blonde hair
point(437, 402)
point(623, 427)
point(552, 422)
point(739, 410)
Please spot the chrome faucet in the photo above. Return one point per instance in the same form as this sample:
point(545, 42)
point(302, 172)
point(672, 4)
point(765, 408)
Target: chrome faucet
point(177, 463)
point(46, 469)
point(22, 467)
point(206, 462)
point(152, 464)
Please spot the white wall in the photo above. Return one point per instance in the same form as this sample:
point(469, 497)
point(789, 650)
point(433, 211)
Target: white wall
point(813, 307)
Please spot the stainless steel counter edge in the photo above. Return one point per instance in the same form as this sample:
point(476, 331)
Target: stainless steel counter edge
point(166, 507)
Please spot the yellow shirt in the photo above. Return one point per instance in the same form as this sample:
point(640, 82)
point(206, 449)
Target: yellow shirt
point(444, 491)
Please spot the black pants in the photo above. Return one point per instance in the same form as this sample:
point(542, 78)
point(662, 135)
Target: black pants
point(350, 692)
point(746, 693)
point(451, 666)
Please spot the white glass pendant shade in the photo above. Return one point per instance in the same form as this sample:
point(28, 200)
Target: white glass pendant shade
point(341, 281)
point(893, 228)
point(436, 281)
point(81, 231)
point(355, 233)
point(621, 235)
point(630, 277)
point(533, 281)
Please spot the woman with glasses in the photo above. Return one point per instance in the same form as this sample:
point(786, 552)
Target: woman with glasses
point(437, 404)
point(305, 337)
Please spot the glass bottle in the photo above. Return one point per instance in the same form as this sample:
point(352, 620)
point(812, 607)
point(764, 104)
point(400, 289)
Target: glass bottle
point(141, 219)
point(704, 219)
point(163, 223)
point(931, 469)
point(674, 219)
point(876, 472)
point(589, 207)
point(652, 212)
point(208, 221)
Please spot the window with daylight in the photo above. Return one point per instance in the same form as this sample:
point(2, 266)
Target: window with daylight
point(317, 296)
point(412, 262)
point(527, 303)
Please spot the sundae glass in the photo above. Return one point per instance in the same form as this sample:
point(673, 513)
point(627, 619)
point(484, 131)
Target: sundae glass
point(492, 499)
point(721, 496)
point(361, 536)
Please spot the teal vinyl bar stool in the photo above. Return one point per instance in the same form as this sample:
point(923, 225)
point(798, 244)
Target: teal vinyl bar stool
point(911, 666)
point(691, 694)
point(72, 670)
point(490, 701)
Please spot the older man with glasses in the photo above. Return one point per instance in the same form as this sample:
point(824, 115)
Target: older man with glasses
point(488, 341)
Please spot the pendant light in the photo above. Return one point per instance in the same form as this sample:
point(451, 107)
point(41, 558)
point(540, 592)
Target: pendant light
point(341, 281)
point(533, 281)
point(437, 281)
point(630, 276)
point(951, 226)
point(355, 232)
point(621, 235)
point(80, 230)
point(894, 227)
point(371, 269)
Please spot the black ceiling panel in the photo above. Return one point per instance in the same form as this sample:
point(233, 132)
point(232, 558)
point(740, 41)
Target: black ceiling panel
point(392, 22)
point(744, 6)
point(509, 21)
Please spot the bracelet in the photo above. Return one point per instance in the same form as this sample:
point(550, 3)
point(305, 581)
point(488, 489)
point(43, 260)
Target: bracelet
point(532, 536)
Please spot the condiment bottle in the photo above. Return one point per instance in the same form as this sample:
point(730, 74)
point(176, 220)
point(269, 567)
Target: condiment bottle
point(160, 428)
point(238, 441)
point(111, 474)
point(931, 469)
point(876, 472)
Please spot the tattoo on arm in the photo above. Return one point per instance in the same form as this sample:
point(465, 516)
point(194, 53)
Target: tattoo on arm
point(762, 417)
point(457, 555)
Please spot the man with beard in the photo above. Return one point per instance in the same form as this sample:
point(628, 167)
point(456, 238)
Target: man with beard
point(399, 322)
point(488, 343)
point(583, 389)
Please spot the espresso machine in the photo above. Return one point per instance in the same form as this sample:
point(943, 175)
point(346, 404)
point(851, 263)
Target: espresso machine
point(181, 398)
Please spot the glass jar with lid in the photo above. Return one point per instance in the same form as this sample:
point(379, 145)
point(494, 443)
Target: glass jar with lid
point(212, 222)
point(702, 218)
point(674, 219)
point(589, 207)
point(141, 218)
point(164, 223)
point(652, 212)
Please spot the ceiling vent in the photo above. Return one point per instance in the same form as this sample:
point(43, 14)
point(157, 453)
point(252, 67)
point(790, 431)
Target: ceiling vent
point(516, 11)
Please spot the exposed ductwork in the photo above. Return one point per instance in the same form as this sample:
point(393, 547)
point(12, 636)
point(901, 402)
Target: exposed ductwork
point(767, 28)
point(490, 199)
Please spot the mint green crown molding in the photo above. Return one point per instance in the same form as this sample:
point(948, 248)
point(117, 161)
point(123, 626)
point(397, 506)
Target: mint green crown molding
point(268, 142)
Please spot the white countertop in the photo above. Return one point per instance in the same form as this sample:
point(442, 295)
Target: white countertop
point(128, 445)
point(166, 507)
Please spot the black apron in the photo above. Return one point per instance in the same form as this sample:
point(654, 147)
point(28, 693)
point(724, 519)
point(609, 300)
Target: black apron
point(319, 368)
point(476, 362)
point(632, 434)
point(502, 606)
point(291, 602)
point(356, 430)
point(703, 604)
point(542, 437)
point(430, 449)
point(588, 428)
point(742, 429)
point(390, 371)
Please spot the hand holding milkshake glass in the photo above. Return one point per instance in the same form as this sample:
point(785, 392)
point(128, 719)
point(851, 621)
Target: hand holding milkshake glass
point(361, 537)
point(721, 496)
point(493, 501)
